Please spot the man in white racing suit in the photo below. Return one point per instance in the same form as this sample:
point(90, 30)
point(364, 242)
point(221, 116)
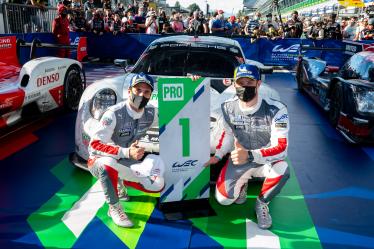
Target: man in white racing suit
point(255, 131)
point(115, 152)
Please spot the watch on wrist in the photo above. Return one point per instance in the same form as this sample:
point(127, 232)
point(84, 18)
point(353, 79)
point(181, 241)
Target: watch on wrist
point(250, 156)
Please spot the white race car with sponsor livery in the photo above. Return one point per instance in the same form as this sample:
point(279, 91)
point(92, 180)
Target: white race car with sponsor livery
point(211, 57)
point(41, 84)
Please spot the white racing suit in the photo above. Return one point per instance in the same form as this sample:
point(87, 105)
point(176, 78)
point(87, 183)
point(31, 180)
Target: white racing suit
point(109, 157)
point(263, 130)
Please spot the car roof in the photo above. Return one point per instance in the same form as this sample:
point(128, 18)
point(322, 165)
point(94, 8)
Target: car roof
point(201, 39)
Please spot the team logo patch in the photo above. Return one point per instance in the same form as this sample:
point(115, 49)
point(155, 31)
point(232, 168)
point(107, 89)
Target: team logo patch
point(124, 132)
point(238, 119)
point(239, 127)
point(281, 118)
point(107, 121)
point(281, 125)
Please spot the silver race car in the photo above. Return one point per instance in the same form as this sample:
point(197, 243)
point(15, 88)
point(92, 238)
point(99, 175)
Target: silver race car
point(211, 57)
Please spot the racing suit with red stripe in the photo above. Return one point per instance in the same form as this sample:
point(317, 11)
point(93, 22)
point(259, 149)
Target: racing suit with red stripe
point(263, 130)
point(60, 30)
point(109, 151)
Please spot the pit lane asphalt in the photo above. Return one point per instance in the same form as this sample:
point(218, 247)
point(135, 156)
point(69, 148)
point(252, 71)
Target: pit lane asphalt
point(336, 178)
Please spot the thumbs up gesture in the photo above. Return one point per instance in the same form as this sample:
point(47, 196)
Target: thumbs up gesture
point(135, 151)
point(239, 155)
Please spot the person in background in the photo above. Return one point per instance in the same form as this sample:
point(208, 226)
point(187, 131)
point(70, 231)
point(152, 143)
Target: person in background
point(108, 20)
point(88, 8)
point(60, 31)
point(349, 32)
point(253, 26)
point(295, 26)
point(139, 20)
point(368, 32)
point(333, 29)
point(232, 27)
point(197, 24)
point(151, 24)
point(218, 25)
point(116, 26)
point(269, 22)
point(97, 24)
point(162, 19)
point(177, 24)
point(317, 31)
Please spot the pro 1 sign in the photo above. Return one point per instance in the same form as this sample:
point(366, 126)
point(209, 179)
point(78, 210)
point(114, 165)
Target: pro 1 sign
point(184, 121)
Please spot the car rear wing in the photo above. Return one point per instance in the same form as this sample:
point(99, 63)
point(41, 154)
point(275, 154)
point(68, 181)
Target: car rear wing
point(308, 47)
point(349, 47)
point(8, 51)
point(36, 43)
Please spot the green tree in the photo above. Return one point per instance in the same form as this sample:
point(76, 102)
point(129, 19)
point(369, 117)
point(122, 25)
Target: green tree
point(177, 5)
point(193, 7)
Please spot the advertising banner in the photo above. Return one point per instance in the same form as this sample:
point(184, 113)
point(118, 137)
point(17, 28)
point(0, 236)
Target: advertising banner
point(184, 121)
point(279, 52)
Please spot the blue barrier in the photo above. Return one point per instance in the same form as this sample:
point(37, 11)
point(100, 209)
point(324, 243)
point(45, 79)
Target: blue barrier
point(279, 52)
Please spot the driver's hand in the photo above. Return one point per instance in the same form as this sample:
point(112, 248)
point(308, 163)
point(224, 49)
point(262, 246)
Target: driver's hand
point(135, 151)
point(194, 77)
point(239, 155)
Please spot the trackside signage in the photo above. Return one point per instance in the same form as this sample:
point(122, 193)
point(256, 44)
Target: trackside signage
point(184, 111)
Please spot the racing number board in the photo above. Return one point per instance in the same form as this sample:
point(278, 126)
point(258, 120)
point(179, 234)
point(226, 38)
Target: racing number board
point(184, 111)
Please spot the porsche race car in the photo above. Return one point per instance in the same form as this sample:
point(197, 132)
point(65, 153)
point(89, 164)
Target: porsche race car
point(41, 84)
point(211, 57)
point(346, 93)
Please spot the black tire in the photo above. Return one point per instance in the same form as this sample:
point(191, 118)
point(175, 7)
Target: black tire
point(336, 104)
point(73, 88)
point(299, 78)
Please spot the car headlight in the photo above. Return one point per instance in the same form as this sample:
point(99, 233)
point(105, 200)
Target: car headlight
point(364, 101)
point(101, 101)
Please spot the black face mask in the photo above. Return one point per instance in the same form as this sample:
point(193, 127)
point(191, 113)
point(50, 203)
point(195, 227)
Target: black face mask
point(246, 93)
point(138, 102)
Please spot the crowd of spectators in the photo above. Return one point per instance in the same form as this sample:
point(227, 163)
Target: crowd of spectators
point(103, 16)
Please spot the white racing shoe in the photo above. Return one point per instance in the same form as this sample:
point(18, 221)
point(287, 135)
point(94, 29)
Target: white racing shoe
point(118, 216)
point(264, 220)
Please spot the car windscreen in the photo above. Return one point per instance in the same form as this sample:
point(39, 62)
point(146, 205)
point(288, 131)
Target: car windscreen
point(184, 61)
point(365, 67)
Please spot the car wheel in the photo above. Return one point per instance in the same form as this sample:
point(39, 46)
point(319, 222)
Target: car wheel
point(336, 104)
point(73, 88)
point(300, 78)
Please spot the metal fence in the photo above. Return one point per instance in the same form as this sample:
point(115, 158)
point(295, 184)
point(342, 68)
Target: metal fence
point(19, 18)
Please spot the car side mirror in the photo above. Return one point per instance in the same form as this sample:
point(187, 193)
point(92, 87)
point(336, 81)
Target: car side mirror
point(122, 63)
point(371, 74)
point(266, 70)
point(129, 68)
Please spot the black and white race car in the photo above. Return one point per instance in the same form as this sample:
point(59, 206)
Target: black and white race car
point(346, 93)
point(211, 57)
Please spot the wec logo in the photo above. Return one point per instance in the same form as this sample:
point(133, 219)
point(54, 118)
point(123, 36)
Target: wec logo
point(185, 164)
point(291, 49)
point(75, 42)
point(283, 117)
